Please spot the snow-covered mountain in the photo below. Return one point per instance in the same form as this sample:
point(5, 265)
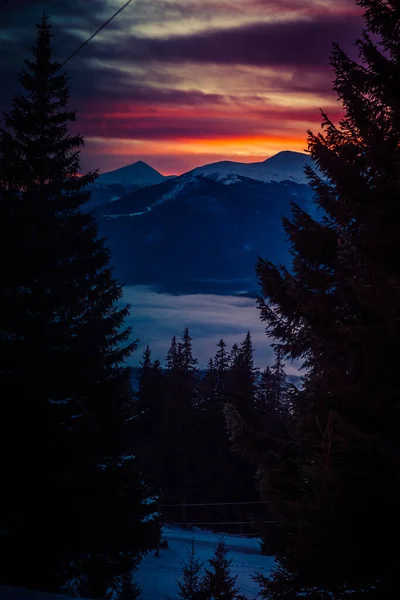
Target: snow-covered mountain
point(284, 166)
point(201, 232)
point(193, 234)
point(113, 185)
point(137, 174)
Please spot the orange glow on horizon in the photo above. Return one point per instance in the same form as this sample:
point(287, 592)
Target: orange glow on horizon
point(193, 152)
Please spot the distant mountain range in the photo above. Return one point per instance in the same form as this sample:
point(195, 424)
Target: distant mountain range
point(285, 166)
point(201, 231)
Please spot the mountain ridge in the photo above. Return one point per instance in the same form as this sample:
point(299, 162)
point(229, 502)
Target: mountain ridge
point(286, 163)
point(137, 173)
point(283, 166)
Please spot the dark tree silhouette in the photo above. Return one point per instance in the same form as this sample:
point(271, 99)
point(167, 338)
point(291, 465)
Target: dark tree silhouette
point(338, 311)
point(68, 483)
point(190, 587)
point(218, 583)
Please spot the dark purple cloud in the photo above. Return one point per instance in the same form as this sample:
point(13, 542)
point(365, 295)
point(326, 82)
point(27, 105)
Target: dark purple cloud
point(297, 43)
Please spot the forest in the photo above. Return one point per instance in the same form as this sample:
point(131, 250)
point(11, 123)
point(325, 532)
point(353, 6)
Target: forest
point(94, 464)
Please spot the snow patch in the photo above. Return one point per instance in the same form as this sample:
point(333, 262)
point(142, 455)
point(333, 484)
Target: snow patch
point(150, 500)
point(151, 517)
point(284, 166)
point(157, 576)
point(137, 214)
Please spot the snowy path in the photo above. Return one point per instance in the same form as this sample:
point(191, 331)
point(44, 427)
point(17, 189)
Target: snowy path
point(157, 576)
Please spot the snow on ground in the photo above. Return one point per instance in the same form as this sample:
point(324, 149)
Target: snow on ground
point(157, 576)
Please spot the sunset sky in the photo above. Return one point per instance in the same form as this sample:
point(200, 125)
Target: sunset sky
point(180, 83)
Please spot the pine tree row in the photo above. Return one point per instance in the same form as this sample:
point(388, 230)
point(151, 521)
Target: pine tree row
point(214, 583)
point(181, 424)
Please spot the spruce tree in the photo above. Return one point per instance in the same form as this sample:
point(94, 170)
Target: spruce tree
point(241, 381)
point(218, 583)
point(279, 378)
point(147, 415)
point(337, 310)
point(63, 346)
point(172, 356)
point(207, 387)
point(190, 587)
point(180, 398)
point(126, 587)
point(185, 351)
point(221, 363)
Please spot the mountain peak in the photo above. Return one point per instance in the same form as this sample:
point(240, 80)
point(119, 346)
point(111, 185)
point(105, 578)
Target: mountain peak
point(287, 156)
point(284, 166)
point(137, 173)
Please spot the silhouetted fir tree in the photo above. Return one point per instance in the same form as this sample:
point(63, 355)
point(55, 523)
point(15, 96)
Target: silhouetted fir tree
point(218, 583)
point(338, 311)
point(273, 389)
point(66, 491)
point(185, 351)
point(221, 364)
point(207, 387)
point(180, 398)
point(190, 586)
point(279, 378)
point(266, 397)
point(147, 420)
point(145, 364)
point(241, 382)
point(149, 392)
point(171, 362)
point(126, 587)
point(233, 354)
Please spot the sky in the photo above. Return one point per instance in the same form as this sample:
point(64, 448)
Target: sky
point(181, 83)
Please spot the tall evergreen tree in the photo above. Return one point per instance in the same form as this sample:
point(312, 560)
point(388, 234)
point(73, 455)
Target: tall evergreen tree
point(172, 356)
point(338, 311)
point(218, 583)
point(185, 351)
point(207, 387)
point(147, 417)
point(273, 389)
point(220, 473)
point(190, 586)
point(66, 478)
point(221, 364)
point(241, 383)
point(126, 587)
point(177, 417)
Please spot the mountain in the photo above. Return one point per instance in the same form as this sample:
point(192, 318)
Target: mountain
point(284, 166)
point(113, 185)
point(197, 234)
point(138, 174)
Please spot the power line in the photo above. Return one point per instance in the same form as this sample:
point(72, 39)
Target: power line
point(89, 38)
point(96, 32)
point(214, 504)
point(220, 523)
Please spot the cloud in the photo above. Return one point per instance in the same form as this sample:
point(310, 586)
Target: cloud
point(156, 317)
point(206, 70)
point(305, 42)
